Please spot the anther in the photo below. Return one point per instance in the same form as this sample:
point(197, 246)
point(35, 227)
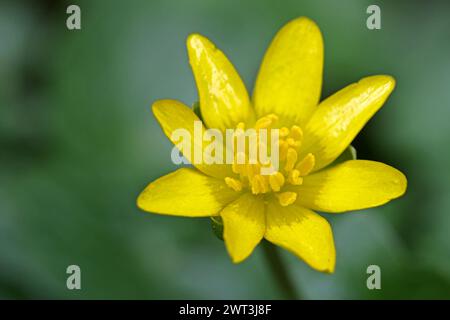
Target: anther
point(296, 133)
point(291, 159)
point(276, 181)
point(274, 117)
point(266, 122)
point(234, 184)
point(293, 143)
point(259, 184)
point(294, 177)
point(283, 145)
point(284, 132)
point(252, 170)
point(306, 165)
point(286, 198)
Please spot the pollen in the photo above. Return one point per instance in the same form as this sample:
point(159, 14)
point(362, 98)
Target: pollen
point(283, 149)
point(306, 165)
point(291, 159)
point(296, 133)
point(294, 177)
point(260, 184)
point(286, 198)
point(284, 132)
point(291, 167)
point(240, 126)
point(266, 122)
point(276, 181)
point(234, 184)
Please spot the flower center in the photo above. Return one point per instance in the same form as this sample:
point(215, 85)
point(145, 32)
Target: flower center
point(291, 169)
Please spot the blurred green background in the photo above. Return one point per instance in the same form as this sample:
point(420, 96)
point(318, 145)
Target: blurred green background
point(78, 143)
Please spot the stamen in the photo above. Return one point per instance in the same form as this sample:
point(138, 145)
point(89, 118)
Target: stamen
point(306, 165)
point(251, 170)
point(283, 146)
point(241, 126)
point(286, 198)
point(293, 143)
point(296, 133)
point(294, 177)
point(266, 122)
point(291, 159)
point(259, 184)
point(234, 184)
point(289, 143)
point(276, 181)
point(265, 183)
point(284, 132)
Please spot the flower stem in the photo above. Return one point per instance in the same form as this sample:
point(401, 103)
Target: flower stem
point(279, 271)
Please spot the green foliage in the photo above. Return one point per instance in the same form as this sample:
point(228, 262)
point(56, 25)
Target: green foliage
point(78, 144)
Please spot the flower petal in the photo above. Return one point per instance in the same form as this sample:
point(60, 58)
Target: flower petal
point(224, 100)
point(351, 185)
point(173, 115)
point(244, 226)
point(186, 192)
point(339, 118)
point(304, 233)
point(290, 78)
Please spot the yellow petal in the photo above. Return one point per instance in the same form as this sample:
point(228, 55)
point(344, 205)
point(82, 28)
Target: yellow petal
point(304, 233)
point(290, 78)
point(186, 192)
point(243, 226)
point(352, 185)
point(224, 100)
point(339, 118)
point(173, 115)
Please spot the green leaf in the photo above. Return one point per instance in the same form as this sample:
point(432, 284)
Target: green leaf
point(217, 226)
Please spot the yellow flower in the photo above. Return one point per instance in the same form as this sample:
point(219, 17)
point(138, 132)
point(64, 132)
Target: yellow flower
point(278, 207)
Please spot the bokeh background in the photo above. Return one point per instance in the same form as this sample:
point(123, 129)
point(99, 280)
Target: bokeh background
point(78, 143)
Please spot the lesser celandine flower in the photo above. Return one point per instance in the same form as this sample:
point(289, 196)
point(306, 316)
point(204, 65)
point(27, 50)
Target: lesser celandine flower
point(279, 207)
